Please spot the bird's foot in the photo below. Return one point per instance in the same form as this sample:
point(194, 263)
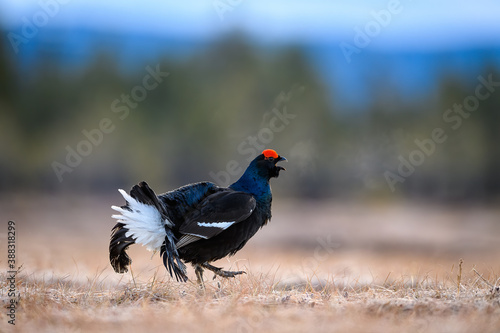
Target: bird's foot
point(199, 276)
point(228, 274)
point(218, 271)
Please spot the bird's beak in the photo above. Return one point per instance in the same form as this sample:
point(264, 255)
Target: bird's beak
point(279, 159)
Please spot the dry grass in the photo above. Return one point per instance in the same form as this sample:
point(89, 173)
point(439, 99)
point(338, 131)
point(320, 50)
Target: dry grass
point(259, 303)
point(412, 285)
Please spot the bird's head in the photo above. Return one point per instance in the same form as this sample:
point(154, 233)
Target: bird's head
point(266, 164)
point(256, 177)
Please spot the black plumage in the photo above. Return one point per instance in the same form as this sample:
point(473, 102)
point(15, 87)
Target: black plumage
point(196, 223)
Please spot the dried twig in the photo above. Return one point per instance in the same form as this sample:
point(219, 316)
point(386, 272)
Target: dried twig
point(482, 278)
point(459, 276)
point(495, 289)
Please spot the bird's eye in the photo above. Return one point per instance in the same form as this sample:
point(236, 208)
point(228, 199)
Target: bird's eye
point(270, 158)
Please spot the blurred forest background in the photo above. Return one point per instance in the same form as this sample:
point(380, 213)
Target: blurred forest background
point(350, 121)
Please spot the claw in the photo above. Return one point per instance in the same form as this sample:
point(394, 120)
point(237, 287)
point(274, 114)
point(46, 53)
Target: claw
point(218, 271)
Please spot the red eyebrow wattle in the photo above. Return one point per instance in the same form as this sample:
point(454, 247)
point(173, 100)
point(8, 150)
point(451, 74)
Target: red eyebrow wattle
point(270, 153)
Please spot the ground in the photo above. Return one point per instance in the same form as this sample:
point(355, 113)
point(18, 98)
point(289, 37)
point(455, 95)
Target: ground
point(328, 266)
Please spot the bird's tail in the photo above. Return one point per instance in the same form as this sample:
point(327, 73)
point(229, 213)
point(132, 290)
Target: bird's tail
point(144, 220)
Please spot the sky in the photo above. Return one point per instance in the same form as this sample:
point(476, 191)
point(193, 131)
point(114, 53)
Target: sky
point(412, 23)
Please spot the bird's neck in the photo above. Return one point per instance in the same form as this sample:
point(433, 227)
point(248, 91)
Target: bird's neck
point(252, 182)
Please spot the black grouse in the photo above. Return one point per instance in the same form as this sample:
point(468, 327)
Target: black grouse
point(197, 223)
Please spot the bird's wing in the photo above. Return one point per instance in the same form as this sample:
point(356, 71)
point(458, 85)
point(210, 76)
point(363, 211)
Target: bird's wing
point(214, 214)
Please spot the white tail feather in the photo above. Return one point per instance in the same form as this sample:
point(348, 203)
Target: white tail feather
point(144, 222)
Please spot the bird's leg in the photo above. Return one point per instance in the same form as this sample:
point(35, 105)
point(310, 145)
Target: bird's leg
point(199, 275)
point(218, 271)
